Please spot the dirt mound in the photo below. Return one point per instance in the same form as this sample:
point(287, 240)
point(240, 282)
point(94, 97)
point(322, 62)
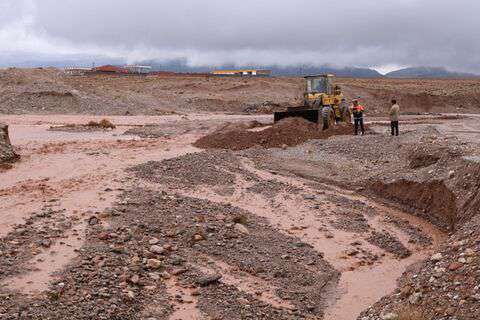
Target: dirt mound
point(229, 126)
point(288, 132)
point(104, 124)
point(7, 154)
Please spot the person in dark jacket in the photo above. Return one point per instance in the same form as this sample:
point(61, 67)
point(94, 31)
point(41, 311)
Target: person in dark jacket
point(357, 111)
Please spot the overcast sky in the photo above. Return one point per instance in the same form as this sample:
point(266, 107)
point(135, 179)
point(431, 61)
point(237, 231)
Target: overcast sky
point(370, 33)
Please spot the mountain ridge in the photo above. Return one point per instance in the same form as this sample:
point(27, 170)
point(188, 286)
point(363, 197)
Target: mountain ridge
point(428, 72)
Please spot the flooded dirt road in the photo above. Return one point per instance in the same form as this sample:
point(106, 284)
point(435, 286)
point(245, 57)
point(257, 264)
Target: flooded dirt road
point(76, 174)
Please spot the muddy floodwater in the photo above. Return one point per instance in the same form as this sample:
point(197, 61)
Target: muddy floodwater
point(76, 175)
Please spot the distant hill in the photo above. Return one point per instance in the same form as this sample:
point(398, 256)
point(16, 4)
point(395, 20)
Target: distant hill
point(350, 72)
point(428, 72)
point(295, 70)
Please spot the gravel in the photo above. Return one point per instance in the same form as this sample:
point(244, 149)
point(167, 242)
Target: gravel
point(389, 243)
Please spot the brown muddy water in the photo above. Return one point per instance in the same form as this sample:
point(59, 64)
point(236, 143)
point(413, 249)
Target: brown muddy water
point(85, 171)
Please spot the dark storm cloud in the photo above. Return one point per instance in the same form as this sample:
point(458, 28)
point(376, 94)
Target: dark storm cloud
point(342, 32)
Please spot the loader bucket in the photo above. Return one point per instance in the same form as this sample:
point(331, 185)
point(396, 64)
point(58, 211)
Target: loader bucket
point(312, 115)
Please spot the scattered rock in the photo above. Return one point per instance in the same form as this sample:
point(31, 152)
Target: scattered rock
point(154, 264)
point(436, 257)
point(241, 228)
point(153, 241)
point(390, 316)
point(157, 249)
point(208, 280)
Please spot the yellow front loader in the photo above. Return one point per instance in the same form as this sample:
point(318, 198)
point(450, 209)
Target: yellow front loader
point(319, 92)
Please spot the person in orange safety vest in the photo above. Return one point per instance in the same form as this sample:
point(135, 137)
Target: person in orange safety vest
point(357, 111)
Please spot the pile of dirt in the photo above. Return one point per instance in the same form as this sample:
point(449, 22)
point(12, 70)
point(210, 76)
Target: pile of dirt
point(230, 126)
point(7, 154)
point(288, 132)
point(104, 124)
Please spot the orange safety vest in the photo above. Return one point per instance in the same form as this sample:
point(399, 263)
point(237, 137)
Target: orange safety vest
point(359, 108)
point(358, 111)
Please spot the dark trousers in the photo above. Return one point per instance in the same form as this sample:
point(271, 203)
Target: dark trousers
point(359, 122)
point(394, 125)
point(325, 123)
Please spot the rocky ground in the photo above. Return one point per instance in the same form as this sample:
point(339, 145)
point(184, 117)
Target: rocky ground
point(446, 286)
point(50, 91)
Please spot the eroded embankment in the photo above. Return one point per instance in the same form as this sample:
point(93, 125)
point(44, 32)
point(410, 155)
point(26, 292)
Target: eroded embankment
point(432, 200)
point(447, 203)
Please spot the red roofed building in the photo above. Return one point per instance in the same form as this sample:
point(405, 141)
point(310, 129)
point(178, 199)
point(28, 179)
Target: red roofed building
point(110, 69)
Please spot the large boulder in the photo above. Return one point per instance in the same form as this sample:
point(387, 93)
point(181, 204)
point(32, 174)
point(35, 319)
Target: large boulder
point(7, 154)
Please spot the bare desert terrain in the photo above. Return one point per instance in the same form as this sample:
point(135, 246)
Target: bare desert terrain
point(50, 91)
point(189, 203)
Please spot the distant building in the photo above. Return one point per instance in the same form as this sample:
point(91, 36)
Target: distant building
point(139, 69)
point(74, 71)
point(111, 70)
point(243, 73)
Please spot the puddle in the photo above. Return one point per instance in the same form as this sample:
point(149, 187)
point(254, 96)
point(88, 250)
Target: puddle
point(186, 309)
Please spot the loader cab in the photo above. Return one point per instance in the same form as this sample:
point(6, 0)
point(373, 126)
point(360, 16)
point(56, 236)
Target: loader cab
point(319, 84)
